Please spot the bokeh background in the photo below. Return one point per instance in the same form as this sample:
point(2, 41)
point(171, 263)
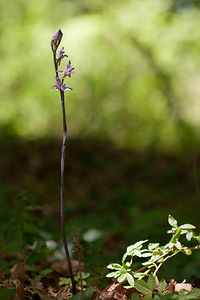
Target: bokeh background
point(133, 116)
point(136, 81)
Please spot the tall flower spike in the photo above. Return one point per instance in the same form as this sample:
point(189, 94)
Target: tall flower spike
point(56, 39)
point(68, 72)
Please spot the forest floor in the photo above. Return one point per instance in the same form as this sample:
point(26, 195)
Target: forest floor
point(113, 198)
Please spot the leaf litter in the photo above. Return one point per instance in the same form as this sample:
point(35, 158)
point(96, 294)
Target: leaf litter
point(26, 287)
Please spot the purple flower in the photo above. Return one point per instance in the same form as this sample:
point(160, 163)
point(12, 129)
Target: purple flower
point(68, 72)
point(61, 55)
point(56, 39)
point(60, 86)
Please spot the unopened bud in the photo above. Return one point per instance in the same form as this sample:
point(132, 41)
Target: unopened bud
point(56, 39)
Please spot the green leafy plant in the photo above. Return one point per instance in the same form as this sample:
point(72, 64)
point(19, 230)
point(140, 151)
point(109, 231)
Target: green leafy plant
point(154, 255)
point(86, 294)
point(151, 292)
point(22, 233)
point(80, 279)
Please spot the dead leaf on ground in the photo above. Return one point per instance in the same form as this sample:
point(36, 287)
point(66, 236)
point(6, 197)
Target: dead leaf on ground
point(113, 291)
point(52, 292)
point(32, 291)
point(18, 272)
point(170, 288)
point(61, 267)
point(36, 284)
point(20, 292)
point(14, 285)
point(64, 293)
point(8, 284)
point(181, 286)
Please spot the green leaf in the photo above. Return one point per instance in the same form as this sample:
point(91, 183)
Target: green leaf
point(130, 279)
point(46, 272)
point(170, 245)
point(83, 275)
point(87, 294)
point(121, 278)
point(194, 292)
point(114, 266)
point(178, 245)
point(187, 226)
point(124, 257)
point(153, 246)
point(182, 292)
point(162, 285)
point(6, 294)
point(135, 246)
point(172, 221)
point(31, 268)
point(146, 254)
point(186, 251)
point(142, 274)
point(135, 296)
point(111, 274)
point(137, 253)
point(157, 296)
point(64, 281)
point(189, 235)
point(117, 274)
point(151, 282)
point(141, 286)
point(147, 296)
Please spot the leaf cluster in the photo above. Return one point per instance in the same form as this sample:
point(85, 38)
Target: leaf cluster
point(152, 292)
point(154, 255)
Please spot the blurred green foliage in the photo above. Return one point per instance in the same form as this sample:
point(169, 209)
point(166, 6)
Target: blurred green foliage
point(136, 81)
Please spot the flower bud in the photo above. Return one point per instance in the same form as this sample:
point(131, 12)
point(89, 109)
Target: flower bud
point(56, 39)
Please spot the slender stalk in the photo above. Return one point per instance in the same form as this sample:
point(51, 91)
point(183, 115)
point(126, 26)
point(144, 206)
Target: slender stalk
point(65, 244)
point(166, 258)
point(153, 262)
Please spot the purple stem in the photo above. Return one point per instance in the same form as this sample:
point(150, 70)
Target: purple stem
point(62, 184)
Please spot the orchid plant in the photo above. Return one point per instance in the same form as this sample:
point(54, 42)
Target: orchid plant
point(62, 87)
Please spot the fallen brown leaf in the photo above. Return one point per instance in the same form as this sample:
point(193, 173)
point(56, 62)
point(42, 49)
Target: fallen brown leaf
point(170, 288)
point(36, 284)
point(61, 267)
point(20, 292)
point(32, 291)
point(181, 286)
point(64, 293)
point(114, 291)
point(18, 272)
